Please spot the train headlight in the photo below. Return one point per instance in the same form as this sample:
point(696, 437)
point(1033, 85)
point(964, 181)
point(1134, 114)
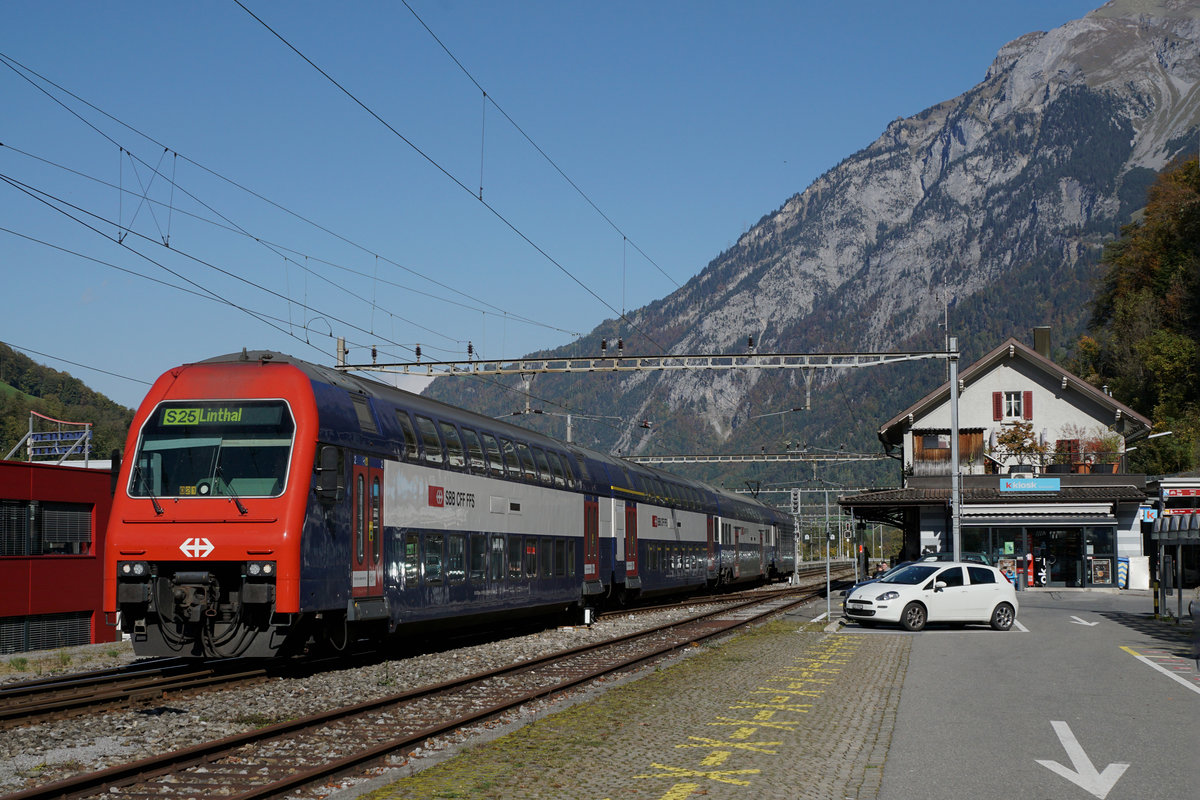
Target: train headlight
point(260, 569)
point(133, 569)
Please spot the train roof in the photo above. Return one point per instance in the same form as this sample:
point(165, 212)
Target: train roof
point(393, 394)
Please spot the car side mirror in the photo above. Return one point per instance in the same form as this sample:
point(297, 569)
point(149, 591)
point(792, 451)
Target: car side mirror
point(330, 487)
point(937, 587)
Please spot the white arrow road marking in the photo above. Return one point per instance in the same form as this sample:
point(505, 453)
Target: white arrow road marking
point(1078, 621)
point(1085, 776)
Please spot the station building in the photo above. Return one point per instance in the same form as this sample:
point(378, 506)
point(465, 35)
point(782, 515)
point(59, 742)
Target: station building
point(52, 526)
point(1065, 503)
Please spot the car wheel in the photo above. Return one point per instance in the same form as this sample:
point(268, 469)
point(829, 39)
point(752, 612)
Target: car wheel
point(913, 617)
point(1003, 617)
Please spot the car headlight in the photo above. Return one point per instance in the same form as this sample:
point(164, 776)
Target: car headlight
point(883, 598)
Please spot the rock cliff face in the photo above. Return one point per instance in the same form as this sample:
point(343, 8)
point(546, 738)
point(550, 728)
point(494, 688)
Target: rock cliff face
point(993, 205)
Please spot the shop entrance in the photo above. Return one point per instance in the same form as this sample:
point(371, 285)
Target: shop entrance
point(1063, 550)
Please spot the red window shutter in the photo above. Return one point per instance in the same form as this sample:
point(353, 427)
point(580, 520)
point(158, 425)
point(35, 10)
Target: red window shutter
point(1027, 405)
point(997, 406)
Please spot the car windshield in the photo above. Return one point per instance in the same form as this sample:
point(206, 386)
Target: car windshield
point(205, 448)
point(912, 574)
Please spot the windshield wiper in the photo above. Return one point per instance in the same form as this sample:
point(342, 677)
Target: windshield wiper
point(232, 493)
point(139, 480)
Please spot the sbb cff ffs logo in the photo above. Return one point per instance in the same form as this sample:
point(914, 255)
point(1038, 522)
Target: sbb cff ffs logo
point(437, 496)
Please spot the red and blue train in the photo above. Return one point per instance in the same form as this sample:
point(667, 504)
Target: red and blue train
point(269, 505)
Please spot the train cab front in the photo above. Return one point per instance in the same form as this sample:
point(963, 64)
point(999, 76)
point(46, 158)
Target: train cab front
point(198, 554)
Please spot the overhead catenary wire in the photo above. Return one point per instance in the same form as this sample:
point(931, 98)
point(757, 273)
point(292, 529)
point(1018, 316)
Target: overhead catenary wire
point(489, 98)
point(434, 163)
point(20, 69)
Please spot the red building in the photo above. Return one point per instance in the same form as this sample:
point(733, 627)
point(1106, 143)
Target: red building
point(52, 525)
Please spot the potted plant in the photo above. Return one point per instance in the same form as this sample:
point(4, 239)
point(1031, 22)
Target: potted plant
point(1103, 451)
point(1017, 444)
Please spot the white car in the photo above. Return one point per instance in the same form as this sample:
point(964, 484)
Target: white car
point(935, 591)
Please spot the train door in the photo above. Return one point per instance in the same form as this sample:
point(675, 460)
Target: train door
point(712, 547)
point(366, 547)
point(591, 539)
point(631, 546)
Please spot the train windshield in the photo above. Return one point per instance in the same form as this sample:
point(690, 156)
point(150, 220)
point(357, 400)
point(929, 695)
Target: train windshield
point(233, 448)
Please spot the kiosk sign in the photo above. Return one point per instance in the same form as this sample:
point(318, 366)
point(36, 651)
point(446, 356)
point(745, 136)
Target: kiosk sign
point(1029, 484)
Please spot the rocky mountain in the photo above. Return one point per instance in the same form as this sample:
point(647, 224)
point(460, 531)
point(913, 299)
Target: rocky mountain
point(988, 210)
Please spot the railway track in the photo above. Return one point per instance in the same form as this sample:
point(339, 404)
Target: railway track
point(139, 684)
point(297, 757)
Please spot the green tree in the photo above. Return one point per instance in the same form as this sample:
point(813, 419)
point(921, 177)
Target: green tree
point(1146, 320)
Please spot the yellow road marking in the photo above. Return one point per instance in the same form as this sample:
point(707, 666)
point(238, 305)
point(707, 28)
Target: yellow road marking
point(783, 726)
point(753, 747)
point(800, 709)
point(715, 758)
point(720, 776)
point(778, 692)
point(1131, 651)
point(743, 733)
point(680, 791)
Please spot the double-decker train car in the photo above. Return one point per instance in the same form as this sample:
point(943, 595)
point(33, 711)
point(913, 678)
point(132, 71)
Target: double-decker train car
point(268, 504)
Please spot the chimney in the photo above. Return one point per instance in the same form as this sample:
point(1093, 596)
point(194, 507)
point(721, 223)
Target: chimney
point(1041, 340)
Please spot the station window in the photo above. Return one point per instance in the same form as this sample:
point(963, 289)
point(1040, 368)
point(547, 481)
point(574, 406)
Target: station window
point(33, 528)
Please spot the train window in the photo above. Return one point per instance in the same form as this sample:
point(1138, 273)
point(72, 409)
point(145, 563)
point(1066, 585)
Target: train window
point(528, 470)
point(412, 560)
point(560, 480)
point(479, 556)
point(433, 558)
point(411, 450)
point(454, 448)
point(456, 561)
point(560, 557)
point(474, 450)
point(547, 558)
point(531, 550)
point(362, 409)
point(510, 459)
point(495, 461)
point(543, 465)
point(515, 557)
point(496, 563)
point(429, 437)
point(571, 558)
point(566, 463)
point(208, 448)
point(583, 468)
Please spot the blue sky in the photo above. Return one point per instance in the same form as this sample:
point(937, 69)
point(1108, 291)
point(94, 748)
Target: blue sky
point(300, 217)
